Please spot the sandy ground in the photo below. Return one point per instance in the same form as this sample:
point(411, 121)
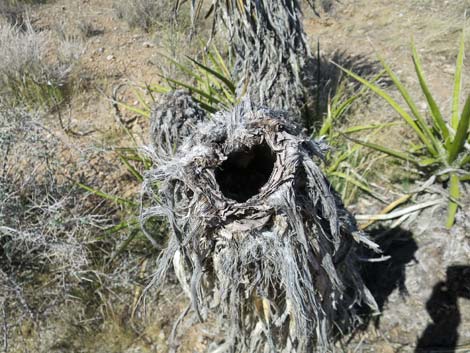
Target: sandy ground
point(426, 258)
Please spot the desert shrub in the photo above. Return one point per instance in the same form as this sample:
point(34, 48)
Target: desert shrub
point(42, 221)
point(58, 242)
point(34, 67)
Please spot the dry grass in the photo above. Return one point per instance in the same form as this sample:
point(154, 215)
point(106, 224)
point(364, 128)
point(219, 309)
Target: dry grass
point(40, 221)
point(35, 67)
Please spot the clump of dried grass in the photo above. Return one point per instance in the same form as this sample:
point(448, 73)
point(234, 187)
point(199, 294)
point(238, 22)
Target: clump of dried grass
point(38, 223)
point(47, 224)
point(35, 67)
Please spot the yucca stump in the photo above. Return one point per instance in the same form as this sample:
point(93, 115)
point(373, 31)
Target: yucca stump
point(258, 237)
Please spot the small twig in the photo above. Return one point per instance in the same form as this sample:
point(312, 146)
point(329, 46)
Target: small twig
point(5, 329)
point(387, 209)
point(399, 213)
point(68, 130)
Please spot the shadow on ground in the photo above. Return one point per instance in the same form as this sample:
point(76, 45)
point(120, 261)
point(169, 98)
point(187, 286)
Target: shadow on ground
point(442, 334)
point(325, 79)
point(383, 278)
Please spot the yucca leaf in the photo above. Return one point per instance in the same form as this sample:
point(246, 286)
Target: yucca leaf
point(124, 244)
point(194, 89)
point(461, 133)
point(183, 68)
point(159, 89)
point(229, 96)
point(222, 78)
point(141, 99)
point(359, 128)
point(465, 160)
point(394, 153)
point(434, 145)
point(207, 107)
point(131, 168)
point(142, 112)
point(350, 179)
point(436, 115)
point(454, 193)
point(336, 113)
point(339, 111)
point(327, 123)
point(221, 91)
point(426, 162)
point(122, 225)
point(391, 102)
point(341, 158)
point(219, 61)
point(458, 83)
point(115, 199)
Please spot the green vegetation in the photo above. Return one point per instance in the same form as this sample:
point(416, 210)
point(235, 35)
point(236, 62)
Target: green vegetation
point(209, 82)
point(213, 86)
point(348, 166)
point(442, 149)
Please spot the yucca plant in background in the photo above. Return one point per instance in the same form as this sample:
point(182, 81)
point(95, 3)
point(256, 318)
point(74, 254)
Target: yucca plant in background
point(443, 149)
point(347, 166)
point(209, 82)
point(213, 85)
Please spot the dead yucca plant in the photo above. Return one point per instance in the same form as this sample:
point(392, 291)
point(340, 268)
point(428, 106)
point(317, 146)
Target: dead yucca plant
point(258, 237)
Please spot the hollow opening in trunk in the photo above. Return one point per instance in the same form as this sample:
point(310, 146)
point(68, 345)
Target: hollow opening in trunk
point(244, 172)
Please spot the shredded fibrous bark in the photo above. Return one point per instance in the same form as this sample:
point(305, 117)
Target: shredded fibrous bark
point(276, 264)
point(270, 48)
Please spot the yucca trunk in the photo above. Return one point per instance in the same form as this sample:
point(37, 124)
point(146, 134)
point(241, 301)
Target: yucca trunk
point(273, 64)
point(258, 237)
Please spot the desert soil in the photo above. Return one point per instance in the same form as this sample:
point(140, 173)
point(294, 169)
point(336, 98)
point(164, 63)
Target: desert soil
point(425, 256)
